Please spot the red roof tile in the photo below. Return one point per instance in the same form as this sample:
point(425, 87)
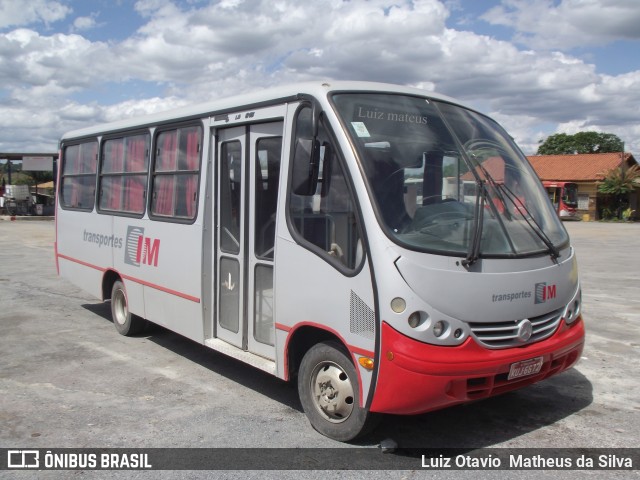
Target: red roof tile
point(580, 167)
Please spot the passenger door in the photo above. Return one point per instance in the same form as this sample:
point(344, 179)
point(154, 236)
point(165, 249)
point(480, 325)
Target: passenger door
point(248, 175)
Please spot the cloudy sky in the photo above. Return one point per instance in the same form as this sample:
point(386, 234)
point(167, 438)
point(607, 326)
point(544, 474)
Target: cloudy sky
point(538, 66)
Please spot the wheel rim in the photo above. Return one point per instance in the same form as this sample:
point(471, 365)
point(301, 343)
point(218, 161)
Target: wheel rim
point(332, 392)
point(120, 311)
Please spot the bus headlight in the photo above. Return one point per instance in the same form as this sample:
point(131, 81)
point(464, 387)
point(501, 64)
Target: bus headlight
point(439, 328)
point(414, 320)
point(573, 309)
point(434, 327)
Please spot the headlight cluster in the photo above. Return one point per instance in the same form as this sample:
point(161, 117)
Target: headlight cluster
point(439, 331)
point(573, 309)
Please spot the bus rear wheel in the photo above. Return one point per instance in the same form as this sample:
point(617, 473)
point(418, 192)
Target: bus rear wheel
point(125, 322)
point(330, 394)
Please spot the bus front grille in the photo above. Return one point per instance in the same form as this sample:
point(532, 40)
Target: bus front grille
point(505, 334)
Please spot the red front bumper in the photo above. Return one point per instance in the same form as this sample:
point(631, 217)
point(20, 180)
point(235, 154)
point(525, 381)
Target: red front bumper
point(415, 377)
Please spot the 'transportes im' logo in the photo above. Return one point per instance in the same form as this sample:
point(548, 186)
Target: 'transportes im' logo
point(544, 292)
point(141, 250)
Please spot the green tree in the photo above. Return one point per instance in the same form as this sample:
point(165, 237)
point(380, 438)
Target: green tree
point(619, 183)
point(581, 142)
point(41, 177)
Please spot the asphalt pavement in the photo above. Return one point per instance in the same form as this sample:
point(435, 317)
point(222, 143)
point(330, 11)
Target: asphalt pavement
point(68, 380)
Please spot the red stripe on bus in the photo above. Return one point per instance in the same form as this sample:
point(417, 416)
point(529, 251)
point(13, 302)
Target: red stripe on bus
point(162, 289)
point(134, 279)
point(352, 349)
point(75, 260)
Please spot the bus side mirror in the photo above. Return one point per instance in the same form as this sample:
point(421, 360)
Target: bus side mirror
point(306, 166)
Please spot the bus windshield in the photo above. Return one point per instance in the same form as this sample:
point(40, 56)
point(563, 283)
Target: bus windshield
point(447, 180)
point(570, 195)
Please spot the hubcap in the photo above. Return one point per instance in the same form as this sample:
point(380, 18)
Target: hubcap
point(332, 392)
point(120, 307)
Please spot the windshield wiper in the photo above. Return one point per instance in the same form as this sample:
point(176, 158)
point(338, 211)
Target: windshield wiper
point(478, 218)
point(531, 221)
point(504, 193)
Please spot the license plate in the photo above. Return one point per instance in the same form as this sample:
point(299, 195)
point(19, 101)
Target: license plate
point(525, 368)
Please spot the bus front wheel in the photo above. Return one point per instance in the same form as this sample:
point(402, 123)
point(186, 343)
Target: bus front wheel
point(330, 394)
point(125, 322)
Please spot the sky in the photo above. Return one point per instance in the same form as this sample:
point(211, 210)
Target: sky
point(538, 67)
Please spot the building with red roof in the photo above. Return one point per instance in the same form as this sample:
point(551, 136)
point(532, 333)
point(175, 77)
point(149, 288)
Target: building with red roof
point(587, 171)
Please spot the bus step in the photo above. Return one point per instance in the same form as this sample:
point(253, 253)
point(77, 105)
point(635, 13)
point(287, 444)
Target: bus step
point(252, 359)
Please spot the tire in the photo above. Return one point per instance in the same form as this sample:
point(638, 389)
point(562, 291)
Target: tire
point(330, 394)
point(125, 322)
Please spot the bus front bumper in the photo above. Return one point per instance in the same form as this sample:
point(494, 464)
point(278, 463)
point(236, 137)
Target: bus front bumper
point(415, 377)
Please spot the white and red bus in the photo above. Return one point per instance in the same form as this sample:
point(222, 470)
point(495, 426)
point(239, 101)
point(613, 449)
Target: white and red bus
point(309, 231)
point(564, 197)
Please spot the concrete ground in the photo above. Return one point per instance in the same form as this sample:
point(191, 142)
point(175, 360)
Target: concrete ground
point(67, 379)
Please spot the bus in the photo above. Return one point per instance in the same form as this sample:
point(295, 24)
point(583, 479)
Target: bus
point(309, 231)
point(564, 197)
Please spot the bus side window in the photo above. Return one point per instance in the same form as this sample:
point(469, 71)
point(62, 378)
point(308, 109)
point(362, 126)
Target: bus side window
point(268, 152)
point(175, 174)
point(326, 221)
point(78, 177)
point(123, 174)
point(231, 195)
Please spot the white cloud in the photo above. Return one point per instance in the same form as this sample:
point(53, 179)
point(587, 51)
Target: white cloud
point(85, 23)
point(20, 13)
point(543, 24)
point(199, 52)
point(32, 60)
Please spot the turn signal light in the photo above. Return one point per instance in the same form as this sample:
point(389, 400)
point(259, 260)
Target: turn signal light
point(366, 362)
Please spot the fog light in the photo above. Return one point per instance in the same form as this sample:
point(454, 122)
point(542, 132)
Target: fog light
point(439, 328)
point(398, 305)
point(457, 333)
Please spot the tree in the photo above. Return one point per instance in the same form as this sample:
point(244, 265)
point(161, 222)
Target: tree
point(581, 142)
point(41, 177)
point(618, 183)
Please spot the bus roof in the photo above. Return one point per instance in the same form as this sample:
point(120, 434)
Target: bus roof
point(248, 100)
